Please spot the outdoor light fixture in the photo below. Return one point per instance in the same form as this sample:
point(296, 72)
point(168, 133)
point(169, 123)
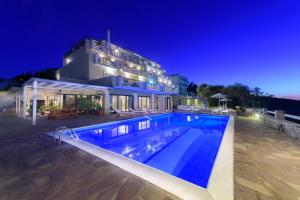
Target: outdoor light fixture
point(138, 67)
point(101, 55)
point(113, 60)
point(256, 115)
point(158, 72)
point(68, 60)
point(116, 51)
point(130, 65)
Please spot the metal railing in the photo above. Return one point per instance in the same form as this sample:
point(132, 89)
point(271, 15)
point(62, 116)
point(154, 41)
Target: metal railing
point(61, 130)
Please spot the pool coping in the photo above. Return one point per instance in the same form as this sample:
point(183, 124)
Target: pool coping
point(220, 185)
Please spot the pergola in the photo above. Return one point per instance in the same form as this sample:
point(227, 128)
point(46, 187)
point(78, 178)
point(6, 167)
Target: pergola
point(37, 84)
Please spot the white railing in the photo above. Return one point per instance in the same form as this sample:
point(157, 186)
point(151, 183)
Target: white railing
point(285, 126)
point(287, 115)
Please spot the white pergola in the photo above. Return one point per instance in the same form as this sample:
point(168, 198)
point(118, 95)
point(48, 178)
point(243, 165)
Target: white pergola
point(37, 83)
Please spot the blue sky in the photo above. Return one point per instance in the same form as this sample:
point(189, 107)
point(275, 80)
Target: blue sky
point(217, 42)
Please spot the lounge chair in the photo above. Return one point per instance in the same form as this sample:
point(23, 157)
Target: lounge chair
point(137, 111)
point(123, 113)
point(149, 110)
point(185, 108)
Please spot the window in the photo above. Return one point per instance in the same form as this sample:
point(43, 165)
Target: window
point(121, 102)
point(144, 102)
point(53, 101)
point(168, 103)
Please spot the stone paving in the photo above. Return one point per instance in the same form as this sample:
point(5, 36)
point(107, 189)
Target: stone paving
point(33, 167)
point(267, 165)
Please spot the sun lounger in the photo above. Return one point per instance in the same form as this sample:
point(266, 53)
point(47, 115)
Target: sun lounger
point(137, 111)
point(123, 113)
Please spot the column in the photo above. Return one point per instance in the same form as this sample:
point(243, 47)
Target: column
point(24, 102)
point(279, 115)
point(135, 101)
point(171, 102)
point(19, 106)
point(106, 102)
point(152, 101)
point(34, 105)
point(161, 103)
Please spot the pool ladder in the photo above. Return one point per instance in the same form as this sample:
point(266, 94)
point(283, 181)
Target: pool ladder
point(60, 130)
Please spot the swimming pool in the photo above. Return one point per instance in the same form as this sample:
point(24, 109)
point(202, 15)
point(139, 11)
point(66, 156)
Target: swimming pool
point(181, 145)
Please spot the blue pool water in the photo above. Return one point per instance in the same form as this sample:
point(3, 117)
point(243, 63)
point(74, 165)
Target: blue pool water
point(183, 145)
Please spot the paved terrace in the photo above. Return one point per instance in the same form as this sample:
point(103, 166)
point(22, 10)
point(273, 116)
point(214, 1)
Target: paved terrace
point(267, 165)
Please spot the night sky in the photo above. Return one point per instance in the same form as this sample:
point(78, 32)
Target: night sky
point(217, 42)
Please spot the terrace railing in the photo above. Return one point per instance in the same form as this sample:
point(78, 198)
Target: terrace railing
point(286, 123)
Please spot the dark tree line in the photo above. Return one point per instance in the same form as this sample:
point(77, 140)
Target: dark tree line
point(48, 73)
point(240, 94)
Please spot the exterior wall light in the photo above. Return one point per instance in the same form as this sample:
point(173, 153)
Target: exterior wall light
point(68, 60)
point(116, 51)
point(101, 55)
point(113, 60)
point(130, 65)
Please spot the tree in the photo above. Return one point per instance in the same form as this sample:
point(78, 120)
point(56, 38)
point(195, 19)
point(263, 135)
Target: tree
point(192, 88)
point(240, 92)
point(48, 73)
point(256, 91)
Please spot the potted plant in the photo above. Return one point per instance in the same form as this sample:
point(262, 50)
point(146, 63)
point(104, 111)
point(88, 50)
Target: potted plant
point(42, 109)
point(86, 105)
point(98, 109)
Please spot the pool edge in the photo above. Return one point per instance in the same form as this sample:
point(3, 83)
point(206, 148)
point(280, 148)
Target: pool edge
point(221, 182)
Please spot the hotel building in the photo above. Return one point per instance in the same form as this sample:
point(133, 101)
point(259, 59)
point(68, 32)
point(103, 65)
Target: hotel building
point(113, 76)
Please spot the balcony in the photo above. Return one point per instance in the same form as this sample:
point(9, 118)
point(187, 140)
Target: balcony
point(153, 87)
point(171, 88)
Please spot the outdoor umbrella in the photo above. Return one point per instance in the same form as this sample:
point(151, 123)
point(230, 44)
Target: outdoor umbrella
point(225, 99)
point(219, 96)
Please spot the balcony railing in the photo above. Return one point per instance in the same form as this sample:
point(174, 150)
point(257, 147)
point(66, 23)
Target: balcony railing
point(172, 89)
point(153, 87)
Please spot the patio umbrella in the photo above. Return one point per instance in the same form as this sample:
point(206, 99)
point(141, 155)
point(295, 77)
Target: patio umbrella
point(219, 96)
point(225, 99)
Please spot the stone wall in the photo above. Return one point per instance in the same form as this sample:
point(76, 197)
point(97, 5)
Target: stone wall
point(286, 127)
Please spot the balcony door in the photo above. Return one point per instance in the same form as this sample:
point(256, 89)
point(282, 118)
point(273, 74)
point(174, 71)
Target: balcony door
point(144, 102)
point(121, 102)
point(168, 103)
